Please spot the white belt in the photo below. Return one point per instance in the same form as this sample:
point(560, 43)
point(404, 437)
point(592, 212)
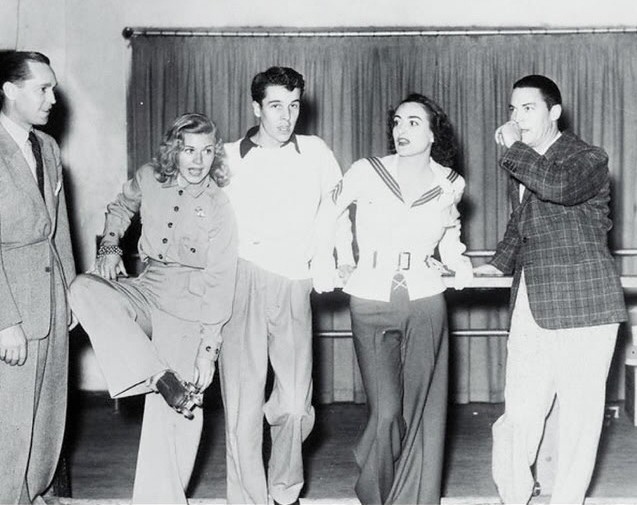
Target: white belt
point(402, 261)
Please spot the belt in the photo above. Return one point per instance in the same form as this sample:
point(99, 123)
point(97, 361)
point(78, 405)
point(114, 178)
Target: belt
point(405, 260)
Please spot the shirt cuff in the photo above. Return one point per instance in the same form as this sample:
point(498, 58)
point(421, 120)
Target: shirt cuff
point(210, 341)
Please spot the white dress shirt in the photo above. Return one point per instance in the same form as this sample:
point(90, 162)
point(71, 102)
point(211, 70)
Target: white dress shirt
point(398, 237)
point(276, 193)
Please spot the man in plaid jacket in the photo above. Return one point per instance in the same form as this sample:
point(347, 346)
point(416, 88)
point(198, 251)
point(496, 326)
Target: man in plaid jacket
point(566, 300)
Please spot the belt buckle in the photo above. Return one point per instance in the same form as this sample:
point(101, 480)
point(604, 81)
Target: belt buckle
point(404, 260)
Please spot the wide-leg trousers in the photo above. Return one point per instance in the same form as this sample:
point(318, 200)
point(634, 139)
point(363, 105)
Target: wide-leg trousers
point(119, 317)
point(570, 363)
point(33, 399)
point(271, 318)
point(402, 351)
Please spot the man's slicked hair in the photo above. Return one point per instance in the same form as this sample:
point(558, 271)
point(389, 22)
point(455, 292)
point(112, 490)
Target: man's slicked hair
point(549, 90)
point(287, 77)
point(14, 65)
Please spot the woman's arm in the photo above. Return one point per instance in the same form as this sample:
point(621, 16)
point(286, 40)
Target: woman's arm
point(119, 212)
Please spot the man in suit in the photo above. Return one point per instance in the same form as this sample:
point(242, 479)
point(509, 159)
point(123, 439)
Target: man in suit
point(567, 300)
point(36, 265)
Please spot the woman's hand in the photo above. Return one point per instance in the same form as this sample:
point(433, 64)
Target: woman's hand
point(463, 276)
point(344, 273)
point(488, 270)
point(109, 266)
point(204, 371)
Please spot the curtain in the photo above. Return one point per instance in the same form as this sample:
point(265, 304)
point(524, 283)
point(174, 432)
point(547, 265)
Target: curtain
point(351, 83)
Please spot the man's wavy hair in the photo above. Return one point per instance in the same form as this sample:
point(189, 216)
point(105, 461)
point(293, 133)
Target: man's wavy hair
point(165, 163)
point(287, 77)
point(443, 149)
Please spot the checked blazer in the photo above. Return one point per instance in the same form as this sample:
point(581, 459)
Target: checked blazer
point(557, 234)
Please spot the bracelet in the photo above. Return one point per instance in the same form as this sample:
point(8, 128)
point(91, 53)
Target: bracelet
point(109, 249)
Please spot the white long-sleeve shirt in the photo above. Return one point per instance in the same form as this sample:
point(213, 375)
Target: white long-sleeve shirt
point(398, 237)
point(276, 193)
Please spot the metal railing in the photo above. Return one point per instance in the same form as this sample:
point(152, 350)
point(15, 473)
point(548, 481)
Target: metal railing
point(629, 283)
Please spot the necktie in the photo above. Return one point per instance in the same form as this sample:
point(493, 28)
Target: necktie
point(39, 166)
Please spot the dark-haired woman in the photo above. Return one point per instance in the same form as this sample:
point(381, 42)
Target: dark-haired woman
point(182, 298)
point(405, 209)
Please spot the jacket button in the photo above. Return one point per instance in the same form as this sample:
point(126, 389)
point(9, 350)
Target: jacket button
point(161, 256)
point(47, 269)
point(164, 240)
point(170, 225)
point(181, 192)
point(193, 250)
point(525, 240)
point(176, 208)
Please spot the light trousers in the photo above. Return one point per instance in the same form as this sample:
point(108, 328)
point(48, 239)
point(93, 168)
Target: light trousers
point(33, 398)
point(119, 317)
point(271, 318)
point(570, 363)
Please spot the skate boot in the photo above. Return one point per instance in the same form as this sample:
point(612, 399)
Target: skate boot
point(180, 395)
point(195, 394)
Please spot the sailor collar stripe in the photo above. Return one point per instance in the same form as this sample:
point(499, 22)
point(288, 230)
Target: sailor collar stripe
point(386, 177)
point(393, 186)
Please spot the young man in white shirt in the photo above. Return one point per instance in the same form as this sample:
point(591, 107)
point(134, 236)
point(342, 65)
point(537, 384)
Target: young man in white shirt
point(277, 182)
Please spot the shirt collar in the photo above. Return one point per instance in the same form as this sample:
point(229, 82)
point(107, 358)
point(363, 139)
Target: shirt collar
point(19, 134)
point(440, 172)
point(193, 189)
point(246, 142)
point(441, 175)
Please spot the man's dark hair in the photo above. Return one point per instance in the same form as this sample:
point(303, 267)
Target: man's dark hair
point(276, 76)
point(14, 65)
point(549, 90)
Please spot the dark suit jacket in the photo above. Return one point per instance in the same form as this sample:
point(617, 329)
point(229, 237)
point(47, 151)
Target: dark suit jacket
point(35, 244)
point(558, 234)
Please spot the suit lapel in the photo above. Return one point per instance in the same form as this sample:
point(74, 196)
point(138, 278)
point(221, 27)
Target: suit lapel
point(17, 166)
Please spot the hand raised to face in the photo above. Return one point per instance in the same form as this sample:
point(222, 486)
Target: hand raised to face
point(507, 134)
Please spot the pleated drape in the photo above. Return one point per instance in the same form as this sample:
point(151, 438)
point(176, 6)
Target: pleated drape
point(352, 82)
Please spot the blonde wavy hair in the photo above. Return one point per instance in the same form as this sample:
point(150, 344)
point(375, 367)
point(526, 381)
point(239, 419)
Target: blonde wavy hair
point(165, 163)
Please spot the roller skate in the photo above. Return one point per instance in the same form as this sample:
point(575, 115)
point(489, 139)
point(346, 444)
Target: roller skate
point(180, 395)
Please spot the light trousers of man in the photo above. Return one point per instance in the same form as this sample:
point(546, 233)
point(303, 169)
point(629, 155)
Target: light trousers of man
point(570, 363)
point(33, 398)
point(119, 317)
point(271, 317)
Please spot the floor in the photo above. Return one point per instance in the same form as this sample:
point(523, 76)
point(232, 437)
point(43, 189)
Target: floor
point(102, 443)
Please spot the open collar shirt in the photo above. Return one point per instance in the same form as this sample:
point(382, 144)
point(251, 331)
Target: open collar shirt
point(276, 193)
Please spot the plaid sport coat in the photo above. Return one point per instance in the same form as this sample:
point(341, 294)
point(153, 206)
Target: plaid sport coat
point(558, 234)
